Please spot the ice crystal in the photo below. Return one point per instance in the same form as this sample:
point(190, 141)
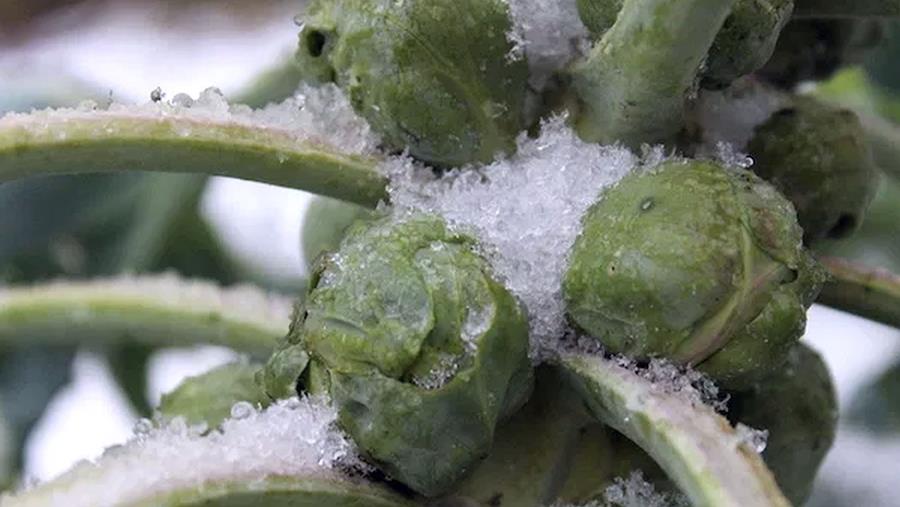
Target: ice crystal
point(525, 210)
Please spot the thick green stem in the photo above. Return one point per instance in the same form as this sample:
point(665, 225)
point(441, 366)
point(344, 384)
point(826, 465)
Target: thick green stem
point(634, 84)
point(870, 293)
point(161, 311)
point(846, 8)
point(42, 144)
point(697, 448)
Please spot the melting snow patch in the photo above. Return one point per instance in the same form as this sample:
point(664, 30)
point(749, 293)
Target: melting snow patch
point(295, 437)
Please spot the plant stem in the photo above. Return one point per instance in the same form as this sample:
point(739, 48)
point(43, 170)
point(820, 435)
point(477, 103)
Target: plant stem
point(697, 448)
point(160, 310)
point(846, 8)
point(633, 86)
point(43, 144)
point(870, 293)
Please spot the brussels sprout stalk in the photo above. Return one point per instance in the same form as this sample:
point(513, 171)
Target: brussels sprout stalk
point(870, 293)
point(846, 8)
point(633, 85)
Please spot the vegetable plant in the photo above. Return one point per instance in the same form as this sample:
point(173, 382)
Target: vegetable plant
point(563, 255)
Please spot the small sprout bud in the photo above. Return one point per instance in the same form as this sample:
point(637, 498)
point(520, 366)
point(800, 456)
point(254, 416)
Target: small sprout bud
point(797, 405)
point(432, 76)
point(712, 271)
point(420, 349)
point(819, 158)
point(209, 398)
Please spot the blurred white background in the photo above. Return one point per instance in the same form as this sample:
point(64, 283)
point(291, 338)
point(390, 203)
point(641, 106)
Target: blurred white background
point(130, 51)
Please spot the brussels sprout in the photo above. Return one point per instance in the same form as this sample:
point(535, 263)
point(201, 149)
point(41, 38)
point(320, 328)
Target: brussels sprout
point(432, 76)
point(819, 158)
point(798, 407)
point(208, 398)
point(744, 44)
point(813, 49)
point(325, 223)
point(696, 263)
point(421, 351)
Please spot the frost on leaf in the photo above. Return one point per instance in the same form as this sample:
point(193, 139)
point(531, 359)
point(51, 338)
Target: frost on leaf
point(295, 437)
point(525, 210)
point(320, 115)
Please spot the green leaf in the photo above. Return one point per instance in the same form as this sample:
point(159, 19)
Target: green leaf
point(208, 398)
point(152, 310)
point(111, 141)
point(697, 448)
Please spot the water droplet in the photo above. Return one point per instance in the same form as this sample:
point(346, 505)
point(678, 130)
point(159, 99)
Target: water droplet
point(242, 410)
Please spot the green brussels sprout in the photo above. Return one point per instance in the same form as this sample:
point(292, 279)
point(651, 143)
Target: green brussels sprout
point(325, 223)
point(208, 398)
point(744, 44)
point(696, 263)
point(819, 158)
point(798, 407)
point(431, 76)
point(814, 49)
point(420, 349)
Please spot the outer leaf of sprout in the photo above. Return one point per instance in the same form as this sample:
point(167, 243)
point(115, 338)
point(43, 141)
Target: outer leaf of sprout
point(798, 407)
point(421, 350)
point(430, 76)
point(208, 398)
point(819, 158)
point(675, 262)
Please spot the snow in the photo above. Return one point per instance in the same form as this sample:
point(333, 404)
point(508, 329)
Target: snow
point(753, 439)
point(634, 491)
point(731, 116)
point(549, 33)
point(295, 437)
point(525, 210)
point(318, 115)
